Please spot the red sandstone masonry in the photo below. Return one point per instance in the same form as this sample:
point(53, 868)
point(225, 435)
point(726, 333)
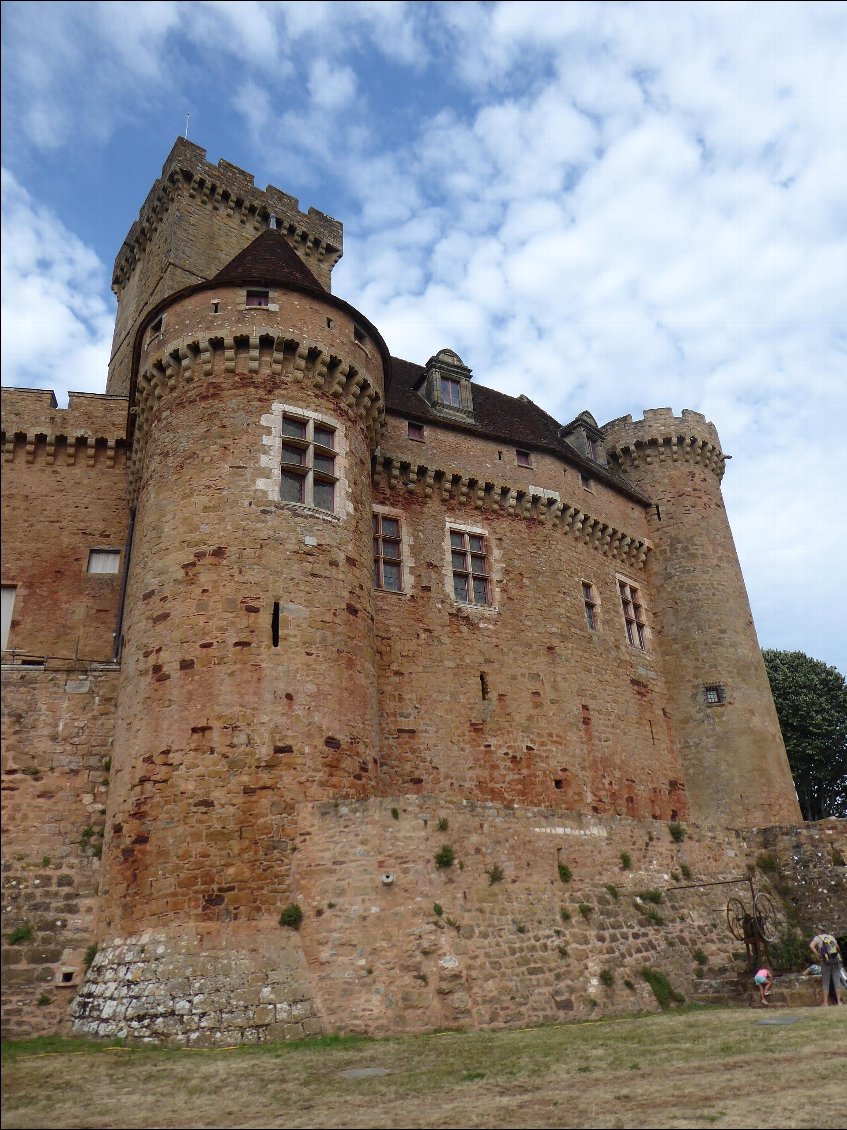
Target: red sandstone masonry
point(64, 494)
point(220, 733)
point(57, 746)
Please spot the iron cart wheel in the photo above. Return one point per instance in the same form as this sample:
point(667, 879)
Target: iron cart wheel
point(767, 918)
point(735, 915)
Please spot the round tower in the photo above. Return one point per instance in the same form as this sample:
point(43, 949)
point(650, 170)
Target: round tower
point(248, 668)
point(723, 714)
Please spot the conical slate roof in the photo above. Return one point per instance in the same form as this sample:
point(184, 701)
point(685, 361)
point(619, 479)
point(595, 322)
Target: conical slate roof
point(270, 259)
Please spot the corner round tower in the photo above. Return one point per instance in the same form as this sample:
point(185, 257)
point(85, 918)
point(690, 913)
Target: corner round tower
point(248, 668)
point(723, 714)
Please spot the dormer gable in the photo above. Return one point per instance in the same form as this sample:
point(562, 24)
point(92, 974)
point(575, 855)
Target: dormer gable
point(585, 436)
point(446, 385)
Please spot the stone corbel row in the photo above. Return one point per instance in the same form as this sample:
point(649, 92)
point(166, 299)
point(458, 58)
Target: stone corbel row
point(287, 358)
point(546, 508)
point(672, 448)
point(71, 445)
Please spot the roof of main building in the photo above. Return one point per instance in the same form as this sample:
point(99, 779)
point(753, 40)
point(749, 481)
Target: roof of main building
point(514, 419)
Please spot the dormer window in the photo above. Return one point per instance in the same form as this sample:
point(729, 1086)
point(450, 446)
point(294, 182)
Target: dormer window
point(446, 385)
point(156, 327)
point(258, 298)
point(584, 435)
point(359, 334)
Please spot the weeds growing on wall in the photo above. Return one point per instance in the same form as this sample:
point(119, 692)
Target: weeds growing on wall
point(626, 861)
point(663, 991)
point(20, 934)
point(445, 857)
point(495, 875)
point(291, 916)
point(565, 873)
point(790, 952)
point(442, 824)
point(90, 954)
point(677, 831)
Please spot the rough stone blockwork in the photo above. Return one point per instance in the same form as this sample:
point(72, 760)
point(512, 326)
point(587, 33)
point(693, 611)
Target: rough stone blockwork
point(539, 918)
point(57, 731)
point(202, 988)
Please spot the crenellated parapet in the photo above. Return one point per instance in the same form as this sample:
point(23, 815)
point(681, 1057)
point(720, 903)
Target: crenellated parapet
point(662, 437)
point(231, 191)
point(539, 505)
point(92, 429)
point(288, 359)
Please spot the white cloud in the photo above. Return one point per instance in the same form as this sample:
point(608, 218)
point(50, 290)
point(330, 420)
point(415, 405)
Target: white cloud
point(57, 325)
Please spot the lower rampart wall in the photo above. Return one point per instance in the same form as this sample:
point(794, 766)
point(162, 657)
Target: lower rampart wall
point(57, 738)
point(539, 918)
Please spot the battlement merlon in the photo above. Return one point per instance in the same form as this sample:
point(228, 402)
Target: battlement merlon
point(661, 435)
point(31, 412)
point(318, 238)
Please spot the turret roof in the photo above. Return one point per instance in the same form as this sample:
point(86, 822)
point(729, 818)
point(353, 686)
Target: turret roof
point(269, 259)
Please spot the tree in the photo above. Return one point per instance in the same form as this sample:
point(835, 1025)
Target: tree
point(811, 704)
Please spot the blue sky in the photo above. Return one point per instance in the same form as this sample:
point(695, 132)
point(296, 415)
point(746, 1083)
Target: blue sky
point(604, 206)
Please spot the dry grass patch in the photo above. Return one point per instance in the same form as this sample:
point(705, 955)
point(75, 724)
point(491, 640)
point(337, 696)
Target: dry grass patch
point(690, 1068)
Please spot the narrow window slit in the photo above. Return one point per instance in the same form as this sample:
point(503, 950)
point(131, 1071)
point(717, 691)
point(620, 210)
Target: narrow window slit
point(483, 684)
point(275, 625)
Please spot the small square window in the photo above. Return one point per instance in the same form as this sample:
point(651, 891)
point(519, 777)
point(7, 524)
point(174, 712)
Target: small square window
point(258, 298)
point(416, 432)
point(714, 694)
point(103, 560)
point(523, 458)
point(586, 481)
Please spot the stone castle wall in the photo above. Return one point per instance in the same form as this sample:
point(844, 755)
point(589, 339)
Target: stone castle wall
point(390, 942)
point(57, 725)
point(521, 702)
point(64, 494)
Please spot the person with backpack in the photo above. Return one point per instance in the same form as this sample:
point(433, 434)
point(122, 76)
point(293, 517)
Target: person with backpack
point(825, 948)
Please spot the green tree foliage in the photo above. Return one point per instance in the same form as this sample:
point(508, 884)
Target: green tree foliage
point(811, 704)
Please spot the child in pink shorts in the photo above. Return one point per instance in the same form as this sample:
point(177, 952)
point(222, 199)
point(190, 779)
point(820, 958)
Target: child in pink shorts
point(764, 980)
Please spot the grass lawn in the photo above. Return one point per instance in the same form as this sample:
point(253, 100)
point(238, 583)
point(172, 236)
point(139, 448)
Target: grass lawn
point(692, 1067)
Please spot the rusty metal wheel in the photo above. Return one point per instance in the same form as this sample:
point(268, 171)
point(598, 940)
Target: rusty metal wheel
point(767, 918)
point(735, 915)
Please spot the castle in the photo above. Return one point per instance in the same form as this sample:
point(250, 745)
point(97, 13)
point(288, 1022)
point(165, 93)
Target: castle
point(295, 628)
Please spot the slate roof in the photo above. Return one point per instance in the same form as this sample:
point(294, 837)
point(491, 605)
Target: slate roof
point(512, 419)
point(268, 261)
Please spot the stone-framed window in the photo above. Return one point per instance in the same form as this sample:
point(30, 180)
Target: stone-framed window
point(308, 462)
point(304, 460)
point(257, 297)
point(524, 458)
point(416, 432)
point(470, 567)
point(8, 607)
point(387, 552)
point(635, 621)
point(714, 694)
point(103, 561)
point(592, 606)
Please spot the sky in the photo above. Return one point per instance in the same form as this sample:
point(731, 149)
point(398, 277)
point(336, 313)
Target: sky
point(609, 206)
